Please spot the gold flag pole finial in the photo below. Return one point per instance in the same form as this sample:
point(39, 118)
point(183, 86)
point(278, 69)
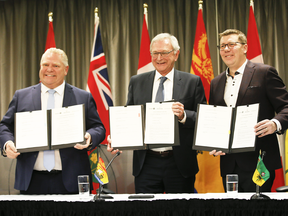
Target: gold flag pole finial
point(50, 17)
point(252, 3)
point(200, 3)
point(145, 6)
point(96, 12)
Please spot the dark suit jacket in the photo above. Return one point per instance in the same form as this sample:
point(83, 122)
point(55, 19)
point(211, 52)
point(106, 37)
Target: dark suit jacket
point(188, 90)
point(260, 84)
point(74, 162)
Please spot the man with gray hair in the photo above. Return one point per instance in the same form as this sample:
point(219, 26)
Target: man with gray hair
point(168, 169)
point(59, 174)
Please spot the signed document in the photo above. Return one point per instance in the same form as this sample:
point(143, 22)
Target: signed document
point(160, 123)
point(226, 129)
point(133, 128)
point(49, 129)
point(126, 127)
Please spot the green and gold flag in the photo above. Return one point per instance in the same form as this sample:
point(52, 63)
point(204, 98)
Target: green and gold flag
point(261, 173)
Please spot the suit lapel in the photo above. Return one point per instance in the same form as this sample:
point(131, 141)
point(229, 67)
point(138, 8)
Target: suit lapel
point(69, 98)
point(36, 97)
point(246, 79)
point(177, 85)
point(220, 88)
point(148, 88)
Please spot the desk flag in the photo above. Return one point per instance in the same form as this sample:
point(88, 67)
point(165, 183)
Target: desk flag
point(261, 174)
point(101, 173)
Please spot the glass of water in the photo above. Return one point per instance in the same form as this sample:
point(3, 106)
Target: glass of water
point(232, 184)
point(83, 186)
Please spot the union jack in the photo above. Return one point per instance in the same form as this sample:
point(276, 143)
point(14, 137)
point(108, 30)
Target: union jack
point(98, 81)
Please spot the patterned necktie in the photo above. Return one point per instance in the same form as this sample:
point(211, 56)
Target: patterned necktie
point(49, 155)
point(160, 92)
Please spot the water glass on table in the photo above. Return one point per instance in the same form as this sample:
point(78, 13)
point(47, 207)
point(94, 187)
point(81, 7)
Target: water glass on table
point(232, 185)
point(83, 185)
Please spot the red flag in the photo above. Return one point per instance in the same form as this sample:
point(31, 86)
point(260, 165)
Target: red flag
point(50, 41)
point(145, 63)
point(254, 54)
point(208, 178)
point(98, 85)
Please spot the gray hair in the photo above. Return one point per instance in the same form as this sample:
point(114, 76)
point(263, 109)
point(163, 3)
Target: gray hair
point(162, 36)
point(61, 53)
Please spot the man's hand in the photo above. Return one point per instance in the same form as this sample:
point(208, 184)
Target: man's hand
point(178, 110)
point(109, 148)
point(264, 128)
point(88, 141)
point(215, 153)
point(11, 151)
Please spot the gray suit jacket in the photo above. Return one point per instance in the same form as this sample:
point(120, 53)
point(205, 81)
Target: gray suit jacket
point(188, 90)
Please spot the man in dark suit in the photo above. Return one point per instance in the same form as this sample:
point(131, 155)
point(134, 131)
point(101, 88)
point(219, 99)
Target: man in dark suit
point(245, 82)
point(32, 177)
point(169, 169)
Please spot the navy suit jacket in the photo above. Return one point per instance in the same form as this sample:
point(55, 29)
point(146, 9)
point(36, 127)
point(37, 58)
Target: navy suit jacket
point(187, 89)
point(74, 162)
point(260, 84)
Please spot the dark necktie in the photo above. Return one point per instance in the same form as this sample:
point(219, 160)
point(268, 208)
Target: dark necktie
point(160, 92)
point(49, 155)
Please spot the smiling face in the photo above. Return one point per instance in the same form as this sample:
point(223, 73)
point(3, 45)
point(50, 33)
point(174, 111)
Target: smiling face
point(163, 64)
point(233, 57)
point(52, 70)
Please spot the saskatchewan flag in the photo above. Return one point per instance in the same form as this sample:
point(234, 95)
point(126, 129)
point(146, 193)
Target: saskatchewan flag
point(261, 174)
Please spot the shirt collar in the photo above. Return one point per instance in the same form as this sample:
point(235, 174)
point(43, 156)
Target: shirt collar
point(59, 89)
point(240, 70)
point(170, 75)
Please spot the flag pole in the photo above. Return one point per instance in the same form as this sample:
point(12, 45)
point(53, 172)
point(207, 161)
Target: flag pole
point(258, 195)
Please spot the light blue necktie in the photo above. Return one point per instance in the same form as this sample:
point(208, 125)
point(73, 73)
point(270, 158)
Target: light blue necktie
point(49, 155)
point(160, 92)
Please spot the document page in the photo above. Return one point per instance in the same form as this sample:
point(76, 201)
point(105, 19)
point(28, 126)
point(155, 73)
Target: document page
point(160, 123)
point(31, 129)
point(213, 128)
point(246, 119)
point(126, 126)
point(67, 125)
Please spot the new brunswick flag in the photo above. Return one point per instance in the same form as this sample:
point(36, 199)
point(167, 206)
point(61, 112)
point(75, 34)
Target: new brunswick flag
point(208, 179)
point(261, 173)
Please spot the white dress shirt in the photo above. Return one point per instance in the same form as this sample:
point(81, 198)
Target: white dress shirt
point(58, 96)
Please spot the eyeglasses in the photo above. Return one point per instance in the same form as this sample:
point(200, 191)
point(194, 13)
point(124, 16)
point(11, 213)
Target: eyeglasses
point(162, 54)
point(230, 45)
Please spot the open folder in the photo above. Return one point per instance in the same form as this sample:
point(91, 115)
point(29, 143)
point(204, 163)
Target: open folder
point(225, 129)
point(49, 129)
point(136, 127)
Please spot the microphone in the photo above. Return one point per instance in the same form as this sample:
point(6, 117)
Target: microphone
point(100, 196)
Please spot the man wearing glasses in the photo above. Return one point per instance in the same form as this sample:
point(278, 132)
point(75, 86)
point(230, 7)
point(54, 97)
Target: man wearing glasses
point(243, 83)
point(169, 169)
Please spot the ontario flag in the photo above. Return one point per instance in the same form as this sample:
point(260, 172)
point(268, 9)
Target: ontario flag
point(98, 85)
point(50, 40)
point(145, 63)
point(254, 54)
point(208, 178)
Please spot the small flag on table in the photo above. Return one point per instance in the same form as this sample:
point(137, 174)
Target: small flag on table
point(261, 174)
point(101, 173)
